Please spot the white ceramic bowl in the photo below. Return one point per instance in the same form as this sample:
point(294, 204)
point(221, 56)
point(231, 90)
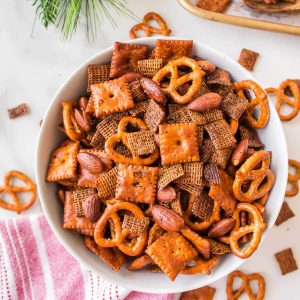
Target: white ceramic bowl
point(50, 137)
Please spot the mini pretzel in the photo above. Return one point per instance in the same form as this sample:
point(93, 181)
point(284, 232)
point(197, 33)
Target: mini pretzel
point(176, 82)
point(119, 235)
point(245, 286)
point(148, 29)
point(256, 227)
point(293, 179)
point(13, 190)
point(121, 137)
point(260, 100)
point(262, 179)
point(70, 124)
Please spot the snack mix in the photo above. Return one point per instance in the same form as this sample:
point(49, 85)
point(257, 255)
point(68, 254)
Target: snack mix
point(162, 167)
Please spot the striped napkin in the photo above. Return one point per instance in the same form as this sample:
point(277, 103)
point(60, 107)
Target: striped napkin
point(34, 265)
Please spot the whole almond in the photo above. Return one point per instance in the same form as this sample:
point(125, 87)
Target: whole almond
point(83, 101)
point(153, 90)
point(240, 152)
point(90, 162)
point(82, 123)
point(205, 102)
point(221, 228)
point(131, 77)
point(166, 218)
point(166, 195)
point(91, 207)
point(206, 66)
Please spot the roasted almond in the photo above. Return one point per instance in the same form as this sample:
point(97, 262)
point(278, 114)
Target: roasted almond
point(81, 121)
point(90, 162)
point(166, 195)
point(221, 228)
point(166, 218)
point(206, 66)
point(131, 77)
point(205, 102)
point(91, 207)
point(240, 152)
point(153, 90)
point(83, 101)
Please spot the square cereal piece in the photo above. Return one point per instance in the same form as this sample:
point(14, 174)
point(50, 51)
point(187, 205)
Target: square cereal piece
point(80, 194)
point(213, 5)
point(167, 174)
point(137, 91)
point(207, 150)
point(71, 221)
point(248, 58)
point(206, 117)
point(97, 74)
point(192, 174)
point(20, 110)
point(252, 136)
point(172, 49)
point(234, 106)
point(63, 162)
point(180, 116)
point(149, 67)
point(193, 189)
point(220, 134)
point(113, 257)
point(125, 57)
point(140, 142)
point(154, 115)
point(221, 157)
point(219, 77)
point(284, 214)
point(98, 140)
point(218, 248)
point(286, 261)
point(110, 97)
point(139, 109)
point(178, 143)
point(106, 183)
point(204, 293)
point(108, 127)
point(212, 174)
point(136, 183)
point(135, 225)
point(172, 107)
point(176, 204)
point(202, 206)
point(171, 252)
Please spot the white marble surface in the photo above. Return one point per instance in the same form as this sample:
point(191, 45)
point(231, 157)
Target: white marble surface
point(33, 66)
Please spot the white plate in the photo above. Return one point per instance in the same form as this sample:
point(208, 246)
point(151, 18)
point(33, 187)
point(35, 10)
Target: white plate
point(50, 137)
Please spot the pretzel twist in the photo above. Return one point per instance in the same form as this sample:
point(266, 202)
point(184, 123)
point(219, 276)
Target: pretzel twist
point(293, 179)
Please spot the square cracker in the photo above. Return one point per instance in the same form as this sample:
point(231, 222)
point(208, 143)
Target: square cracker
point(286, 261)
point(136, 183)
point(113, 257)
point(125, 57)
point(171, 252)
point(204, 293)
point(213, 5)
point(63, 162)
point(178, 143)
point(110, 97)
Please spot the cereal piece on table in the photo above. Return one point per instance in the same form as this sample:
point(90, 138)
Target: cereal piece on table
point(172, 49)
point(213, 5)
point(136, 183)
point(139, 109)
point(125, 57)
point(154, 115)
point(106, 183)
point(204, 293)
point(149, 67)
point(98, 140)
point(212, 174)
point(176, 204)
point(284, 214)
point(234, 106)
point(178, 143)
point(80, 194)
point(286, 261)
point(252, 136)
point(137, 91)
point(220, 134)
point(248, 58)
point(191, 188)
point(141, 142)
point(167, 174)
point(63, 162)
point(221, 157)
point(218, 248)
point(192, 174)
point(206, 117)
point(110, 97)
point(20, 110)
point(219, 77)
point(135, 225)
point(107, 127)
point(171, 252)
point(155, 232)
point(180, 116)
point(113, 257)
point(71, 221)
point(203, 206)
point(223, 193)
point(97, 74)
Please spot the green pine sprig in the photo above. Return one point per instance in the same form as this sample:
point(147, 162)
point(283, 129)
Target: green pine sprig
point(67, 14)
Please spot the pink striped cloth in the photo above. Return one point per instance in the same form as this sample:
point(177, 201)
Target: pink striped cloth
point(34, 265)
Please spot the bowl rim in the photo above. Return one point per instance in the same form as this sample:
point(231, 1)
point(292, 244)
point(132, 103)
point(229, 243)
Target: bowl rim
point(40, 177)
